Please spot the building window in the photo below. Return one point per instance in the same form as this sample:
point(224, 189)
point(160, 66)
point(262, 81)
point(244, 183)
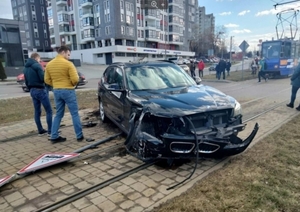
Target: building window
point(26, 26)
point(99, 55)
point(122, 30)
point(33, 17)
point(122, 4)
point(107, 17)
point(28, 43)
point(36, 34)
point(32, 1)
point(46, 43)
point(120, 54)
point(32, 8)
point(42, 1)
point(107, 30)
point(37, 43)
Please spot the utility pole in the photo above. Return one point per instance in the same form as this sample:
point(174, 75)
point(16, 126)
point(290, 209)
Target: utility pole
point(230, 54)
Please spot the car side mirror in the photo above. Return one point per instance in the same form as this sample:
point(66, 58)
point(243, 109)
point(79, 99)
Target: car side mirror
point(198, 80)
point(114, 87)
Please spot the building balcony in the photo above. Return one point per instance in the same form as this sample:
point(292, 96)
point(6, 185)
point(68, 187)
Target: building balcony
point(61, 2)
point(151, 16)
point(87, 4)
point(87, 38)
point(153, 38)
point(64, 32)
point(152, 26)
point(88, 27)
point(87, 14)
point(176, 42)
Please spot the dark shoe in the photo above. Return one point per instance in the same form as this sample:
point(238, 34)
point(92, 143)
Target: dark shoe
point(290, 105)
point(298, 108)
point(80, 139)
point(43, 132)
point(49, 134)
point(59, 139)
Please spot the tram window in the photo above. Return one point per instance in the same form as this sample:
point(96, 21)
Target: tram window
point(287, 50)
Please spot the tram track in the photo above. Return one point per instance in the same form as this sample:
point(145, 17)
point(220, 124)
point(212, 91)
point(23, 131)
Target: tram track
point(96, 187)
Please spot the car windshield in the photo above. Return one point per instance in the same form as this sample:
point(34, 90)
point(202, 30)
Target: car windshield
point(156, 76)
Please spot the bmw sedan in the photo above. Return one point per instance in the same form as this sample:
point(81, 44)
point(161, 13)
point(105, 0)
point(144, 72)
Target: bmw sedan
point(167, 115)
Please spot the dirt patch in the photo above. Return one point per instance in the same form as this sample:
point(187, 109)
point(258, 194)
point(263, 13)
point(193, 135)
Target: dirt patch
point(18, 109)
point(265, 178)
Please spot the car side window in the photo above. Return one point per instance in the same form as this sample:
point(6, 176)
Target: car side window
point(113, 78)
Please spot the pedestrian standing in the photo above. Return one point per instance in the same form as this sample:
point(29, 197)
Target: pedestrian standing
point(263, 67)
point(222, 67)
point(228, 66)
point(192, 68)
point(201, 67)
point(295, 82)
point(62, 75)
point(218, 71)
point(34, 80)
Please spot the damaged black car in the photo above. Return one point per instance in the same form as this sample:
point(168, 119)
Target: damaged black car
point(167, 115)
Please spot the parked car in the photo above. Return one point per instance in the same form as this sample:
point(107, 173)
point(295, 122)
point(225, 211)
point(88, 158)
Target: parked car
point(186, 68)
point(213, 67)
point(82, 81)
point(165, 114)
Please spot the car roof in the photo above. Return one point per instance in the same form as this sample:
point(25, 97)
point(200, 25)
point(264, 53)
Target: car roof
point(133, 64)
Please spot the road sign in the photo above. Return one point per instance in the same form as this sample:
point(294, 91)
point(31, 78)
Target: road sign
point(243, 46)
point(4, 180)
point(46, 160)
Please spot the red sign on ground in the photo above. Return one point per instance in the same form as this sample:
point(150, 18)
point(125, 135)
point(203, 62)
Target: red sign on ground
point(4, 180)
point(46, 160)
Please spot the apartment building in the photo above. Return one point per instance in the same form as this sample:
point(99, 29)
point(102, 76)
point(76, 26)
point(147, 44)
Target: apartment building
point(34, 15)
point(106, 31)
point(13, 46)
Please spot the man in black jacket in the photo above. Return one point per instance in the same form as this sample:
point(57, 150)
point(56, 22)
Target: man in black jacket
point(34, 80)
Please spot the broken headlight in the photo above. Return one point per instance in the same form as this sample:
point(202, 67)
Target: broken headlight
point(237, 109)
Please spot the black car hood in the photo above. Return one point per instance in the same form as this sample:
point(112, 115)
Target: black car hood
point(182, 100)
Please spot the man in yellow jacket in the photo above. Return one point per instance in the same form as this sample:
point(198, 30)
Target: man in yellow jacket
point(62, 75)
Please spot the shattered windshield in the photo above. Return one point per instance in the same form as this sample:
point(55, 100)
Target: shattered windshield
point(156, 76)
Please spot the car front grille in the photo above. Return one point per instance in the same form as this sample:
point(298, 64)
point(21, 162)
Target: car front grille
point(209, 119)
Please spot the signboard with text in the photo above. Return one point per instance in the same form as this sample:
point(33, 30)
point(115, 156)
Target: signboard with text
point(47, 160)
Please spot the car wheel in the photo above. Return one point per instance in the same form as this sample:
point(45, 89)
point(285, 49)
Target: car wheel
point(101, 112)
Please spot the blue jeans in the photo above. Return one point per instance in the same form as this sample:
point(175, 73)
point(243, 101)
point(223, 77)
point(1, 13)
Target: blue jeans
point(294, 93)
point(63, 97)
point(40, 97)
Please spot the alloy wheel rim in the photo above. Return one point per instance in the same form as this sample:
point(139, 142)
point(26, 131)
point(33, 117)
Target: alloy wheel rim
point(101, 111)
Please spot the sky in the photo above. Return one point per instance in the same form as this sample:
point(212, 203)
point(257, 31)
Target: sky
point(249, 20)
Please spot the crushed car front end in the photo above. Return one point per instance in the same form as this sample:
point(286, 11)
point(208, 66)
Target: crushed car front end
point(211, 133)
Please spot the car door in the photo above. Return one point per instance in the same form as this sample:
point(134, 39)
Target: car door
point(114, 95)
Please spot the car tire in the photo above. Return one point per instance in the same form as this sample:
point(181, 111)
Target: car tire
point(102, 115)
point(25, 90)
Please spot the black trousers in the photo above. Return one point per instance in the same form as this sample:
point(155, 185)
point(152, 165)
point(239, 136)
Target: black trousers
point(261, 74)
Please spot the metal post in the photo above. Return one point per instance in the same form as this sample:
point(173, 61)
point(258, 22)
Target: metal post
point(230, 54)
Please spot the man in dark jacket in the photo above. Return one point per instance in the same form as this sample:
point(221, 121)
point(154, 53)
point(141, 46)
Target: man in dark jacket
point(222, 67)
point(34, 80)
point(295, 81)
